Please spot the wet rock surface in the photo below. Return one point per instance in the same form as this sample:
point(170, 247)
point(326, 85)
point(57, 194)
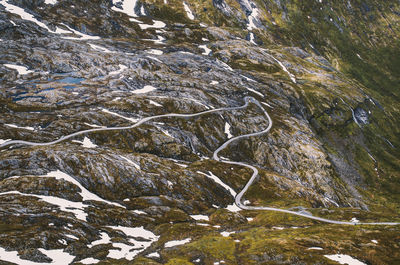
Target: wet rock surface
point(148, 195)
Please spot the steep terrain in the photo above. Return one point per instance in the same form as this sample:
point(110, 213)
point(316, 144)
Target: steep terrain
point(327, 73)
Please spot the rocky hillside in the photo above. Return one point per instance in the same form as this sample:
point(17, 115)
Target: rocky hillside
point(327, 72)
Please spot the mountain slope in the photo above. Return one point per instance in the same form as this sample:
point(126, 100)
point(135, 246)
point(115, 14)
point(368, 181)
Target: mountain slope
point(325, 71)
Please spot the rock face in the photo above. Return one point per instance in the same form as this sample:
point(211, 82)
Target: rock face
point(326, 72)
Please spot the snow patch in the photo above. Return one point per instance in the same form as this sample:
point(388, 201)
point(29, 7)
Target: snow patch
point(344, 259)
point(252, 39)
point(207, 51)
point(86, 194)
point(155, 52)
point(354, 220)
point(199, 217)
point(57, 255)
point(105, 239)
point(76, 208)
point(131, 162)
point(130, 251)
point(143, 90)
point(81, 35)
point(153, 255)
point(120, 116)
point(139, 212)
point(255, 91)
point(99, 48)
point(127, 7)
point(93, 125)
point(228, 130)
point(50, 2)
point(89, 261)
point(174, 243)
point(252, 18)
point(23, 14)
point(22, 70)
point(154, 103)
point(120, 70)
point(19, 127)
point(226, 234)
point(85, 143)
point(219, 181)
point(292, 77)
point(188, 11)
point(156, 25)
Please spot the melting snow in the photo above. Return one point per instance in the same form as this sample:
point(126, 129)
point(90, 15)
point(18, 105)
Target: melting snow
point(142, 11)
point(228, 130)
point(188, 11)
point(154, 51)
point(159, 40)
point(344, 259)
point(57, 255)
point(206, 50)
point(374, 241)
point(120, 116)
point(174, 243)
point(214, 82)
point(156, 25)
point(166, 133)
point(181, 165)
point(154, 103)
point(99, 48)
point(21, 12)
point(170, 184)
point(255, 91)
point(22, 70)
point(72, 237)
point(85, 143)
point(81, 35)
point(200, 217)
point(292, 77)
point(105, 239)
point(145, 89)
point(315, 248)
point(77, 208)
point(120, 70)
point(153, 255)
point(93, 125)
point(50, 2)
point(89, 261)
point(154, 58)
point(219, 181)
point(233, 208)
point(131, 162)
point(86, 194)
point(252, 38)
point(128, 251)
point(354, 220)
point(128, 7)
point(252, 17)
point(226, 234)
point(19, 127)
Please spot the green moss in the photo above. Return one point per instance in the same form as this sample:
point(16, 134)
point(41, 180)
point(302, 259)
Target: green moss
point(219, 248)
point(178, 261)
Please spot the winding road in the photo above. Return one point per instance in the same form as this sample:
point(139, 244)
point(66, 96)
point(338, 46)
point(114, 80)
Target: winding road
point(239, 196)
